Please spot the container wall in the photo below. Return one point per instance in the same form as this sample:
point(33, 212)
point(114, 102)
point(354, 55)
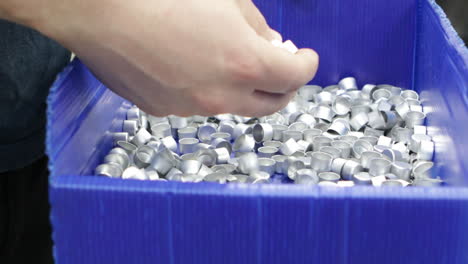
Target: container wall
point(102, 220)
point(371, 40)
point(82, 113)
point(441, 77)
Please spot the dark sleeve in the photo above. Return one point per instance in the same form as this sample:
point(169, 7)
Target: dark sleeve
point(29, 63)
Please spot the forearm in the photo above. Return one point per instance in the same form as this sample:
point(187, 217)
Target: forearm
point(19, 12)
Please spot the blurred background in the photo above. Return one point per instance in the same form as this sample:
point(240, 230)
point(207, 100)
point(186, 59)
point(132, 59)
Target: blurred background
point(457, 11)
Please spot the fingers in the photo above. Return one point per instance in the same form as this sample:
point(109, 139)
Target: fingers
point(284, 72)
point(256, 20)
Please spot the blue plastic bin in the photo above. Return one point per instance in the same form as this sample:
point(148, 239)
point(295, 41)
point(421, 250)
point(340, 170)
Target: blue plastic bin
point(409, 43)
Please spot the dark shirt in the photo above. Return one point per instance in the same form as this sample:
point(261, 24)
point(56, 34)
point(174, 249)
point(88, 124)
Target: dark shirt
point(29, 63)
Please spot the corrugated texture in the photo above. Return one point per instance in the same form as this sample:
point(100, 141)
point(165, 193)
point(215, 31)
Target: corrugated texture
point(101, 220)
point(442, 79)
point(81, 114)
point(370, 39)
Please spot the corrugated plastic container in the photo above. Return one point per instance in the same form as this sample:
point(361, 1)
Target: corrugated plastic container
point(408, 43)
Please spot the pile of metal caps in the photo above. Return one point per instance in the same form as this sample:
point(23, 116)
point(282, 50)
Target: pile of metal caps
point(334, 136)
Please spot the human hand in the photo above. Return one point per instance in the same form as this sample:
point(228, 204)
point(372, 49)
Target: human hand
point(181, 57)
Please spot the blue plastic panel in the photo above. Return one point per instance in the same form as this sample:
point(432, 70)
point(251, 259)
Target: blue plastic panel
point(442, 80)
point(373, 40)
point(409, 43)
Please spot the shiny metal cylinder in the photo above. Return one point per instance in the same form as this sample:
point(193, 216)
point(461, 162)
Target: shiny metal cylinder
point(109, 170)
point(359, 147)
point(291, 166)
point(344, 148)
point(143, 156)
point(306, 177)
point(188, 145)
point(133, 113)
point(342, 105)
point(410, 94)
point(222, 155)
point(392, 183)
point(370, 139)
point(134, 173)
point(244, 143)
point(329, 177)
point(141, 137)
point(379, 166)
point(337, 165)
point(152, 175)
point(128, 147)
point(350, 168)
point(321, 162)
point(262, 132)
point(161, 130)
point(174, 174)
point(415, 142)
point(190, 166)
point(368, 89)
point(222, 143)
point(119, 150)
point(418, 129)
point(324, 98)
point(248, 163)
point(362, 178)
point(414, 118)
point(220, 135)
point(368, 131)
point(305, 145)
point(348, 83)
point(178, 122)
point(120, 160)
point(426, 150)
point(298, 126)
point(367, 156)
point(402, 170)
point(169, 143)
point(205, 131)
point(289, 147)
point(288, 134)
point(267, 152)
point(130, 126)
point(279, 166)
point(423, 169)
point(163, 162)
point(278, 131)
point(359, 121)
point(307, 119)
point(274, 144)
point(187, 132)
point(310, 134)
point(402, 109)
point(239, 130)
point(339, 127)
point(227, 126)
point(324, 113)
point(376, 120)
point(381, 93)
point(119, 136)
point(334, 152)
point(384, 141)
point(206, 156)
point(267, 165)
point(309, 91)
point(320, 141)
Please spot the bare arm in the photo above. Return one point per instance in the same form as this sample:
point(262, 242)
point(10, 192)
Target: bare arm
point(175, 57)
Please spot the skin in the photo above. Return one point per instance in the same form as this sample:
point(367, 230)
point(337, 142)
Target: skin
point(180, 57)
